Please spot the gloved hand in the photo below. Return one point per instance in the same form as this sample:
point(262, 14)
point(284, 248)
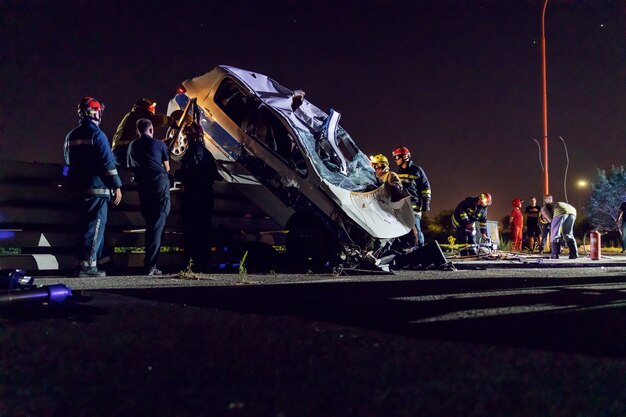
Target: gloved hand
point(469, 226)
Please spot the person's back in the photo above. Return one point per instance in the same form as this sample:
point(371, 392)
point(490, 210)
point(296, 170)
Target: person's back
point(197, 169)
point(95, 182)
point(150, 160)
point(90, 160)
point(146, 156)
point(197, 173)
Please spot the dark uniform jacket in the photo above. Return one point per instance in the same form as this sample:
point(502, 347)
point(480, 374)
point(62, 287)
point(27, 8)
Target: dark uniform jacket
point(469, 212)
point(92, 170)
point(416, 184)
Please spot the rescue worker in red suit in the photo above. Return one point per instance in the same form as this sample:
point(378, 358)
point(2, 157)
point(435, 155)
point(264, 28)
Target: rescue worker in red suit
point(416, 185)
point(144, 108)
point(467, 212)
point(94, 179)
point(197, 173)
point(516, 224)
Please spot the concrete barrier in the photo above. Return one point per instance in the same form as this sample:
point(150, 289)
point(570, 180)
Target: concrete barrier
point(39, 224)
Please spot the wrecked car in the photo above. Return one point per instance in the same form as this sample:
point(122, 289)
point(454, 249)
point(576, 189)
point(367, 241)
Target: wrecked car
point(310, 176)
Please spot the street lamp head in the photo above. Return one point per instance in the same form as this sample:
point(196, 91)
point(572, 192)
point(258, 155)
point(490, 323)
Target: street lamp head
point(582, 183)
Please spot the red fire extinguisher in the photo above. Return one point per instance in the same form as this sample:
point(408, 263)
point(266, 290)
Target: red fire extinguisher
point(594, 245)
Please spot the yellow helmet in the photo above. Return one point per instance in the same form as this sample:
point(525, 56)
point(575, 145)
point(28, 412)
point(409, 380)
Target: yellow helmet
point(379, 159)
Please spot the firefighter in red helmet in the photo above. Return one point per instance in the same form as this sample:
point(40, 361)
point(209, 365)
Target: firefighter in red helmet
point(516, 225)
point(95, 181)
point(467, 212)
point(415, 184)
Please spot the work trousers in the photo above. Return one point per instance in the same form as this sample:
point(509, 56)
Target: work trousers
point(155, 203)
point(418, 227)
point(197, 210)
point(464, 235)
point(545, 231)
point(516, 238)
point(562, 226)
point(93, 218)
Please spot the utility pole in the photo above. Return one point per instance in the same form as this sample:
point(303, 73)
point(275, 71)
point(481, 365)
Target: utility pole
point(546, 186)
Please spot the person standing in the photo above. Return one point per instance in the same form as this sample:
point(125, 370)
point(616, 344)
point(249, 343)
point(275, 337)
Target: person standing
point(144, 108)
point(467, 212)
point(149, 158)
point(562, 217)
point(94, 180)
point(545, 226)
point(532, 223)
point(197, 173)
point(516, 225)
point(416, 184)
point(621, 221)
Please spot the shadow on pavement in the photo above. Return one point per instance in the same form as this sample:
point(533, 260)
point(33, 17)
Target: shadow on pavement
point(565, 315)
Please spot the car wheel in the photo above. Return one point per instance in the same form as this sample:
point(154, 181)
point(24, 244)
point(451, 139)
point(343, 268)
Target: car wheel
point(177, 143)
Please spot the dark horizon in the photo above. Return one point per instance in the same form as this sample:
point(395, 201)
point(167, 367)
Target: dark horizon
point(458, 83)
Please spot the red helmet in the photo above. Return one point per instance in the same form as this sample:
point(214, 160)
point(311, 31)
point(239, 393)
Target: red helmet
point(402, 153)
point(91, 108)
point(516, 202)
point(484, 199)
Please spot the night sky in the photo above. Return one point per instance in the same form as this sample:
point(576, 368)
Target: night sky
point(458, 82)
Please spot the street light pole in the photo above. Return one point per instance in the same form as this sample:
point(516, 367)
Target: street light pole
point(546, 187)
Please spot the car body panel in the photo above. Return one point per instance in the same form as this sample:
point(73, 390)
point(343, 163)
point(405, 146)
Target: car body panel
point(328, 176)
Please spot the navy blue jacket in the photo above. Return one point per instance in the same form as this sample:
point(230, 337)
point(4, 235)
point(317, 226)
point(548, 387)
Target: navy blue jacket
point(87, 153)
point(468, 212)
point(416, 184)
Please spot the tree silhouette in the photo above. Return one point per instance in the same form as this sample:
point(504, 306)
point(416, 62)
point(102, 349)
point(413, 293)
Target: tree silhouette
point(607, 194)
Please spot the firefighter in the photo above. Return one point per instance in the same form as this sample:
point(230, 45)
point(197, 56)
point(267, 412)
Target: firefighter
point(149, 158)
point(392, 181)
point(394, 187)
point(416, 185)
point(144, 108)
point(95, 181)
point(467, 212)
point(562, 217)
point(516, 224)
point(197, 173)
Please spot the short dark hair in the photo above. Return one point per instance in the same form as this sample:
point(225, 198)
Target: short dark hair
point(143, 125)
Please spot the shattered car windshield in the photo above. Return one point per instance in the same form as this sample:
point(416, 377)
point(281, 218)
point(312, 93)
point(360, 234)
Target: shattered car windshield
point(359, 176)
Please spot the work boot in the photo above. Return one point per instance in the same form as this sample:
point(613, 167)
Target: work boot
point(556, 248)
point(91, 272)
point(154, 271)
point(573, 250)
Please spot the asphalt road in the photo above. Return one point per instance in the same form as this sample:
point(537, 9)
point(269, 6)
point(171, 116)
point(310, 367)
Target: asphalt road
point(495, 342)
